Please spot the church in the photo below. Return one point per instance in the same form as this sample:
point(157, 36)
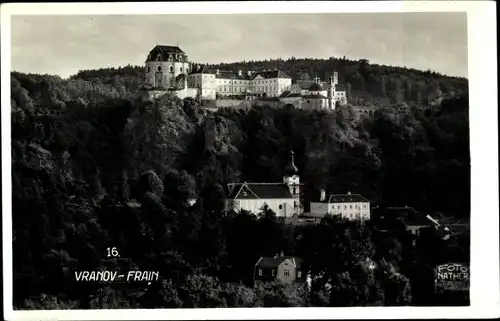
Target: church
point(284, 198)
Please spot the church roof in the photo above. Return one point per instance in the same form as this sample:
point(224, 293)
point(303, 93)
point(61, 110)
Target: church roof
point(339, 87)
point(259, 190)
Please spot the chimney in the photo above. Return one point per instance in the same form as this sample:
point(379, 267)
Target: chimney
point(240, 73)
point(217, 72)
point(249, 73)
point(348, 193)
point(322, 195)
point(282, 254)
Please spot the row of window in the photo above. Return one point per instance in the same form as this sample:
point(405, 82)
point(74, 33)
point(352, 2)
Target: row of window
point(365, 206)
point(286, 272)
point(171, 69)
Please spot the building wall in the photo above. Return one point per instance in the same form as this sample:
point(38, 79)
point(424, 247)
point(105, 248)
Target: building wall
point(166, 67)
point(358, 210)
point(255, 205)
point(271, 87)
point(313, 104)
point(206, 82)
point(287, 279)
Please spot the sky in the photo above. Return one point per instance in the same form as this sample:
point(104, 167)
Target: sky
point(63, 45)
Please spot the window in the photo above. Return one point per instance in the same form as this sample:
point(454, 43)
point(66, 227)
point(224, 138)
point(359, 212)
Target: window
point(299, 274)
point(159, 68)
point(345, 207)
point(171, 69)
point(274, 272)
point(308, 101)
point(293, 190)
point(364, 206)
point(181, 69)
point(287, 272)
point(281, 207)
point(149, 69)
point(244, 193)
point(260, 272)
point(350, 206)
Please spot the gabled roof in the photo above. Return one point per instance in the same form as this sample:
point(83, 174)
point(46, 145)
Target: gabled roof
point(346, 198)
point(260, 190)
point(271, 74)
point(271, 263)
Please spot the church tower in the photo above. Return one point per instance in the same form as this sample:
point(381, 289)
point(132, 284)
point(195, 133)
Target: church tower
point(292, 179)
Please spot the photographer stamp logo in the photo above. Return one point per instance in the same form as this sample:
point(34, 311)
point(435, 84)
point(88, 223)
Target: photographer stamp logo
point(452, 276)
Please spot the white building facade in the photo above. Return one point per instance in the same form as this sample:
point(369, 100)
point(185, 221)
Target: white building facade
point(348, 206)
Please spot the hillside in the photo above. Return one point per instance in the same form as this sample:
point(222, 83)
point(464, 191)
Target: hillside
point(94, 166)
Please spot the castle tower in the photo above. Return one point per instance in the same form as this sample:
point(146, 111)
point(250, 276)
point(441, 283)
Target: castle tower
point(292, 179)
point(331, 94)
point(164, 64)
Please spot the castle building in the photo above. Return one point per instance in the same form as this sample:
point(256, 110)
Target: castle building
point(168, 69)
point(164, 64)
point(281, 198)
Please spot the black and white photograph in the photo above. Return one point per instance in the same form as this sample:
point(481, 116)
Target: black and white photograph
point(172, 160)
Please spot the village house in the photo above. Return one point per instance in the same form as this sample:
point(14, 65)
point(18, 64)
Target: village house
point(287, 269)
point(348, 206)
point(284, 199)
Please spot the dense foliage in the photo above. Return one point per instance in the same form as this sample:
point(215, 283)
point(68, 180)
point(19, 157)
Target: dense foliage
point(94, 167)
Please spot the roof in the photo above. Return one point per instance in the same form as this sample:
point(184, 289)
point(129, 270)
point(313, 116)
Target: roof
point(288, 94)
point(259, 190)
point(305, 84)
point(168, 49)
point(346, 198)
point(317, 96)
point(271, 74)
point(316, 87)
point(270, 263)
point(232, 75)
point(339, 87)
point(198, 69)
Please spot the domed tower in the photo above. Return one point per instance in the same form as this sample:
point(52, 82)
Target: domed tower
point(292, 179)
point(164, 64)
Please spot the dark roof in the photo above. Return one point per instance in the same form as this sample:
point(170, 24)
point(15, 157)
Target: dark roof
point(317, 96)
point(316, 87)
point(260, 190)
point(198, 69)
point(305, 84)
point(271, 74)
point(232, 75)
point(347, 198)
point(288, 94)
point(270, 263)
point(167, 49)
point(339, 87)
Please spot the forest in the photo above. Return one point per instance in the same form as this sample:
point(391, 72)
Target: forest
point(94, 166)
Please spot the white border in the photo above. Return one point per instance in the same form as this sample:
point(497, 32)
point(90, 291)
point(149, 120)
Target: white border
point(484, 157)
